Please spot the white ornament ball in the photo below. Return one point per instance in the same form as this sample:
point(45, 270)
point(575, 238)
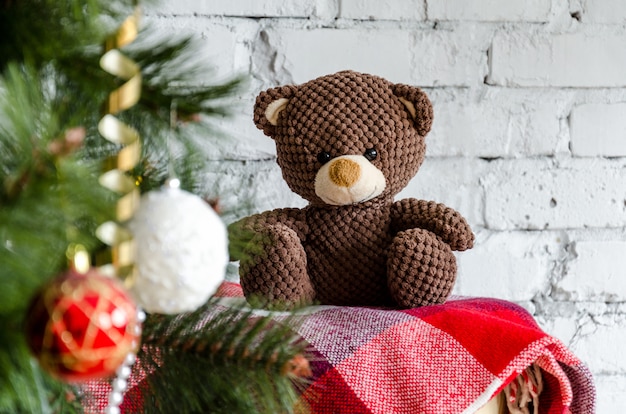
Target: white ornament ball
point(182, 251)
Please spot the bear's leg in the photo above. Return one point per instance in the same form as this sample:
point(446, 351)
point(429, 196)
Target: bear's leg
point(421, 268)
point(273, 269)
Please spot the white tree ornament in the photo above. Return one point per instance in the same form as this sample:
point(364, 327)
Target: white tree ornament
point(182, 251)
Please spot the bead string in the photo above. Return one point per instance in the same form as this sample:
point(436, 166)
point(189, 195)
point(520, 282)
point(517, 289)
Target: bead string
point(119, 384)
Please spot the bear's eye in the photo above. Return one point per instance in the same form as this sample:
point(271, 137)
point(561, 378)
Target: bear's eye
point(323, 157)
point(370, 154)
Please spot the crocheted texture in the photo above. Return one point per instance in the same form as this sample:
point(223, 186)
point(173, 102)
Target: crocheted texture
point(352, 245)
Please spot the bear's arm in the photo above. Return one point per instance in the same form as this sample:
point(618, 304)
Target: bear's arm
point(243, 230)
point(445, 222)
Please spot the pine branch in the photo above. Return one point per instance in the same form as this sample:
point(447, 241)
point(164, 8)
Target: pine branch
point(49, 196)
point(158, 164)
point(171, 70)
point(38, 31)
point(51, 90)
point(245, 363)
point(20, 376)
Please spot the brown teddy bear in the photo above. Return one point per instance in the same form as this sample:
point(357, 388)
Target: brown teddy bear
point(348, 143)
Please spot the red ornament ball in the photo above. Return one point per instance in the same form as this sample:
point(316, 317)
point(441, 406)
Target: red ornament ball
point(82, 326)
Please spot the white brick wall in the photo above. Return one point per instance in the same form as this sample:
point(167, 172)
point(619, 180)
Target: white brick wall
point(529, 138)
point(582, 59)
point(599, 130)
point(594, 274)
point(611, 391)
point(490, 10)
point(382, 10)
point(519, 263)
point(538, 194)
point(602, 11)
point(309, 53)
point(476, 124)
point(453, 56)
point(243, 8)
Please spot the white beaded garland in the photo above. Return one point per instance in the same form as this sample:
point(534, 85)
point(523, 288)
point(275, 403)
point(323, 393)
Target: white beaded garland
point(130, 358)
point(120, 382)
point(182, 251)
point(115, 398)
point(123, 372)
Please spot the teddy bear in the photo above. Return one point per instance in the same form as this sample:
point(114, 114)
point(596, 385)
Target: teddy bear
point(348, 143)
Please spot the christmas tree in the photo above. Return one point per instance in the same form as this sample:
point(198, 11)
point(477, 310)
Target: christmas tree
point(80, 89)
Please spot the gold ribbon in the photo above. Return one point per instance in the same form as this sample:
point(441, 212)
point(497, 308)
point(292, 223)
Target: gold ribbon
point(116, 177)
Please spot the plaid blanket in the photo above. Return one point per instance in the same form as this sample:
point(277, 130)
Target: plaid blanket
point(451, 358)
point(442, 359)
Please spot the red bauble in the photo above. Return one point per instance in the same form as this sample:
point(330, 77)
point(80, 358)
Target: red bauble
point(81, 327)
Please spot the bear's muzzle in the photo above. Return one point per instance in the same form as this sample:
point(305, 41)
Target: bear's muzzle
point(349, 179)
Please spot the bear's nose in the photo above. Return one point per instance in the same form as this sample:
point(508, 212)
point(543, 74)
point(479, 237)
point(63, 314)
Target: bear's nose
point(344, 172)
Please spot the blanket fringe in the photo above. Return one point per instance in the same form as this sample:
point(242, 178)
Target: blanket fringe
point(522, 394)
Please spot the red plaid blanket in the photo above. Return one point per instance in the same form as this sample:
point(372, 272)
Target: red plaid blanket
point(451, 358)
point(442, 359)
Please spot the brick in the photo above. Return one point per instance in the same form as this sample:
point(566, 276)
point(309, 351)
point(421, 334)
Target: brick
point(501, 123)
point(596, 340)
point(605, 11)
point(596, 273)
point(489, 10)
point(382, 10)
point(580, 59)
point(601, 344)
point(218, 47)
point(541, 194)
point(562, 328)
point(452, 57)
point(598, 130)
point(307, 54)
point(611, 390)
point(244, 8)
point(452, 181)
point(507, 265)
point(398, 55)
point(242, 140)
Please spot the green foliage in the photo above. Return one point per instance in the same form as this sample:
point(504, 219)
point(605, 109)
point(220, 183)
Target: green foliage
point(24, 387)
point(46, 201)
point(245, 359)
point(171, 105)
point(51, 155)
point(38, 31)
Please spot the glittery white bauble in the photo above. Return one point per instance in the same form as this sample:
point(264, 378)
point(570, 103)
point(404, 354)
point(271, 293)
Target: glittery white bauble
point(181, 254)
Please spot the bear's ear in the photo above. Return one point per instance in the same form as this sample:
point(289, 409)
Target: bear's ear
point(268, 106)
point(417, 105)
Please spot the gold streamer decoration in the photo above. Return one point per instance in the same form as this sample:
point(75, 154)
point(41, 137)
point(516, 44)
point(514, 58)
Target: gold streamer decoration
point(116, 177)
